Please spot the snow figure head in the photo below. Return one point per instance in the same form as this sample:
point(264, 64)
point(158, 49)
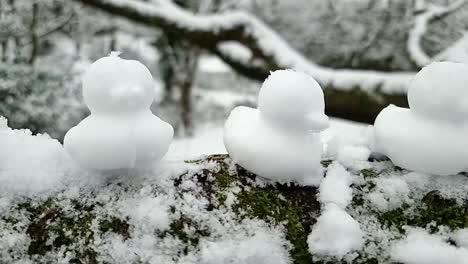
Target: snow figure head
point(293, 99)
point(440, 90)
point(112, 84)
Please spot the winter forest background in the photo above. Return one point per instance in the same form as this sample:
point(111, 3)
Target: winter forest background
point(208, 56)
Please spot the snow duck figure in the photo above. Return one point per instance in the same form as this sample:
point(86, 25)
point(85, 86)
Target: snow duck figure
point(431, 136)
point(121, 132)
point(280, 139)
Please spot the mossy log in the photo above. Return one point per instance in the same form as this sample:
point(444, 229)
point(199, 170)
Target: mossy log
point(75, 231)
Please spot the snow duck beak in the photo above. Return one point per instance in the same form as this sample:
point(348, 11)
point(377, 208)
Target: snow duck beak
point(317, 122)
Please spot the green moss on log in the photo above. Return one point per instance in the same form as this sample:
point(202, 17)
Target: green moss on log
point(294, 208)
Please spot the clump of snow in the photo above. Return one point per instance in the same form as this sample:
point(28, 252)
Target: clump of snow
point(350, 147)
point(29, 164)
point(335, 234)
point(389, 193)
point(279, 140)
point(335, 186)
point(429, 137)
point(461, 237)
point(420, 247)
point(121, 131)
point(353, 156)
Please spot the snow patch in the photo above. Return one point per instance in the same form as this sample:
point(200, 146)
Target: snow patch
point(30, 164)
point(420, 247)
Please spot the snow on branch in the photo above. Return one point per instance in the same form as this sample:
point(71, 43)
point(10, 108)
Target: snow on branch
point(427, 13)
point(266, 46)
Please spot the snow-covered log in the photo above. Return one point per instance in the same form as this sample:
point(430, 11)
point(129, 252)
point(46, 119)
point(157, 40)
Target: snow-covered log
point(212, 211)
point(355, 94)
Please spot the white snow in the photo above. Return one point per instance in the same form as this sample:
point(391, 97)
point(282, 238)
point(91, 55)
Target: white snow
point(335, 186)
point(211, 64)
point(349, 144)
point(335, 234)
point(390, 193)
point(429, 137)
point(279, 140)
point(208, 139)
point(461, 237)
point(147, 212)
point(261, 247)
point(29, 164)
point(121, 131)
point(420, 247)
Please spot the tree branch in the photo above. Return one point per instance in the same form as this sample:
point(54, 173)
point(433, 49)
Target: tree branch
point(268, 49)
point(427, 14)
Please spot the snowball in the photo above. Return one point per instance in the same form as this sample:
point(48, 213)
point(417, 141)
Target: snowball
point(335, 187)
point(335, 234)
point(29, 164)
point(431, 136)
point(278, 140)
point(121, 131)
point(420, 247)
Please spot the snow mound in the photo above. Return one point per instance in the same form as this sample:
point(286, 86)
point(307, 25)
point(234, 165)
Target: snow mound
point(429, 137)
point(461, 237)
point(335, 186)
point(335, 234)
point(283, 129)
point(420, 247)
point(29, 164)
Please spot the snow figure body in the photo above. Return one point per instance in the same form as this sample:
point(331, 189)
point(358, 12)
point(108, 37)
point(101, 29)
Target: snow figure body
point(280, 140)
point(431, 136)
point(121, 131)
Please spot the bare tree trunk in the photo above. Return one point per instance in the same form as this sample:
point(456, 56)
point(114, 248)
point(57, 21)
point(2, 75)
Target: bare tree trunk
point(4, 46)
point(34, 37)
point(186, 91)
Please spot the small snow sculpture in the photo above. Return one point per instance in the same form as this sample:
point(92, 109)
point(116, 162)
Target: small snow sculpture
point(431, 136)
point(121, 131)
point(279, 140)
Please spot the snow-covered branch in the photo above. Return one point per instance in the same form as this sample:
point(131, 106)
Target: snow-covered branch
point(427, 13)
point(268, 50)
